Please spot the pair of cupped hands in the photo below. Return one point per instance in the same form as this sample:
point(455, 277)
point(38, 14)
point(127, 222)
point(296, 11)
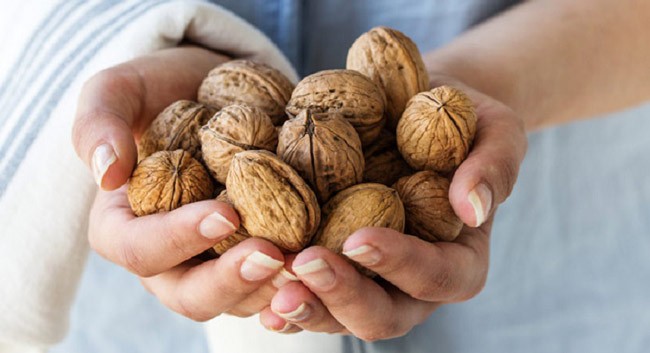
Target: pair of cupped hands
point(313, 290)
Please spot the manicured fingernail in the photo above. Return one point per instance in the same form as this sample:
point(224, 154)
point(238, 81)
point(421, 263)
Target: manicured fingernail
point(283, 278)
point(258, 266)
point(215, 226)
point(103, 157)
point(301, 313)
point(481, 199)
point(365, 254)
point(316, 273)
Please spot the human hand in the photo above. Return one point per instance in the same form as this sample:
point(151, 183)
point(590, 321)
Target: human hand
point(115, 107)
point(417, 276)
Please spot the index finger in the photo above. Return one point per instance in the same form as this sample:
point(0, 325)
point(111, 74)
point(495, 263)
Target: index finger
point(151, 244)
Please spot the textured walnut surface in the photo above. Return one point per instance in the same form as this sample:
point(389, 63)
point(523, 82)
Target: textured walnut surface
point(234, 129)
point(247, 82)
point(325, 150)
point(437, 129)
point(174, 128)
point(384, 163)
point(273, 201)
point(394, 62)
point(362, 205)
point(167, 180)
point(240, 235)
point(429, 214)
point(348, 92)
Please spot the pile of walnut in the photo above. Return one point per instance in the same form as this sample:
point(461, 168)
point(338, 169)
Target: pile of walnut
point(365, 146)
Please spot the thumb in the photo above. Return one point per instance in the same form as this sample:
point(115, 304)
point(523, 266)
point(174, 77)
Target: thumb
point(102, 134)
point(486, 178)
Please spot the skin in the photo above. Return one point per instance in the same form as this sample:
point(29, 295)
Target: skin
point(565, 61)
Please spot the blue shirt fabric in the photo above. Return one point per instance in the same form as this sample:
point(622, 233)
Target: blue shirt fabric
point(569, 265)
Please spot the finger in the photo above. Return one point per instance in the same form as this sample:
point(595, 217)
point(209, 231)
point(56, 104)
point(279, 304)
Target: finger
point(486, 178)
point(357, 302)
point(440, 272)
point(151, 244)
point(273, 322)
point(297, 305)
point(121, 101)
point(255, 302)
point(214, 287)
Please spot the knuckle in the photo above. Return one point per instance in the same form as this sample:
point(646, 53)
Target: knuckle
point(379, 331)
point(242, 313)
point(133, 261)
point(395, 264)
point(440, 286)
point(504, 176)
point(189, 307)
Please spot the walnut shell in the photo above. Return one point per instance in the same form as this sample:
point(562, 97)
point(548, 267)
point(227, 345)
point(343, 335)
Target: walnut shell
point(247, 82)
point(174, 128)
point(167, 180)
point(240, 235)
point(272, 200)
point(429, 214)
point(437, 129)
point(384, 163)
point(393, 61)
point(347, 92)
point(234, 129)
point(324, 149)
point(359, 206)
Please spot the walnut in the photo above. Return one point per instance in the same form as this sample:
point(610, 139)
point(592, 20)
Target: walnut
point(272, 200)
point(176, 128)
point(429, 214)
point(240, 235)
point(393, 61)
point(437, 129)
point(247, 82)
point(384, 163)
point(347, 92)
point(362, 205)
point(324, 149)
point(234, 129)
point(167, 180)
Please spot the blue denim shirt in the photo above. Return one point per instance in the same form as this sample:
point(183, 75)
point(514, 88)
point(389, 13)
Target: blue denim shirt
point(315, 35)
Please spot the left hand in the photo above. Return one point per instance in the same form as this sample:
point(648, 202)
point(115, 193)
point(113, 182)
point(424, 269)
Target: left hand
point(333, 297)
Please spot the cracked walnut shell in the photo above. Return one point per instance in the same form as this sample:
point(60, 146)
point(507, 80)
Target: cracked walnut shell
point(272, 200)
point(234, 129)
point(167, 180)
point(247, 82)
point(429, 214)
point(437, 129)
point(393, 61)
point(359, 206)
point(384, 163)
point(174, 128)
point(348, 92)
point(324, 149)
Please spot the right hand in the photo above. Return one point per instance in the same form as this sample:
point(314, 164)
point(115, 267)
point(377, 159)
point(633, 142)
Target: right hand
point(115, 107)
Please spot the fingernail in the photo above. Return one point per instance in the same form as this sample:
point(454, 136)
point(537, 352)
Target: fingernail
point(287, 326)
point(316, 273)
point(258, 266)
point(103, 157)
point(215, 226)
point(301, 313)
point(481, 199)
point(283, 278)
point(365, 254)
